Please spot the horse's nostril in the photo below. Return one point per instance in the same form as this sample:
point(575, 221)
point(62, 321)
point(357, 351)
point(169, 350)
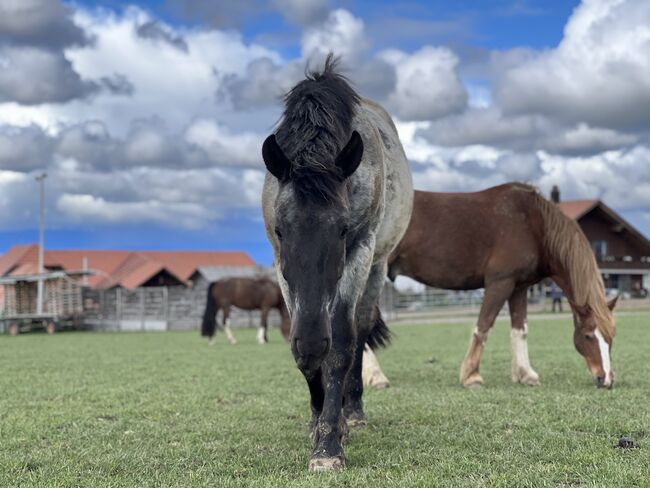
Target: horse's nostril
point(600, 381)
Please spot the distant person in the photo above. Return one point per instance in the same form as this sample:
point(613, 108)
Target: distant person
point(556, 296)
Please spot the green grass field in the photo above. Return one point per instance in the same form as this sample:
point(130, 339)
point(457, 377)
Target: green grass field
point(164, 409)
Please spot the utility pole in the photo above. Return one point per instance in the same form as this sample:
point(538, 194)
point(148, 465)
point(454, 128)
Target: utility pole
point(41, 244)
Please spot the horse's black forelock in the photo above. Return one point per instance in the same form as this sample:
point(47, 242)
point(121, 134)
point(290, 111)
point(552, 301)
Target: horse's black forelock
point(315, 126)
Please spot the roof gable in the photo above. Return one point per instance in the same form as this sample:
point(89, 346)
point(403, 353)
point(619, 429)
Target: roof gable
point(16, 256)
point(577, 209)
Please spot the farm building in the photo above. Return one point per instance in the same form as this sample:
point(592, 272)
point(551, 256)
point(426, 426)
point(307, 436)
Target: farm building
point(124, 269)
point(133, 290)
point(622, 251)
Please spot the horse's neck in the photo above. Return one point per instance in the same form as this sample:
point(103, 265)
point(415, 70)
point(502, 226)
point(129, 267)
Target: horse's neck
point(562, 278)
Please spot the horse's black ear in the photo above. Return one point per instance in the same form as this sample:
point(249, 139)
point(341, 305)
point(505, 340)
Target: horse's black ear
point(274, 159)
point(350, 156)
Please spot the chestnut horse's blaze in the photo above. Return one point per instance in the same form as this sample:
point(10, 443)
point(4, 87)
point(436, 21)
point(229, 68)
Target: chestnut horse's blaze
point(505, 239)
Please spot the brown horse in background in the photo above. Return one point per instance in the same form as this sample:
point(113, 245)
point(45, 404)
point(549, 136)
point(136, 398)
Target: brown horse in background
point(505, 239)
point(248, 294)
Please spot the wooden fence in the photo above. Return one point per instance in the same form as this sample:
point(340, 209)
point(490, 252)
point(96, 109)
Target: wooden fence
point(157, 308)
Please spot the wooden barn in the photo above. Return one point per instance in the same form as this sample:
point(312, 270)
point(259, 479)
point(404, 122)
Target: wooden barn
point(622, 251)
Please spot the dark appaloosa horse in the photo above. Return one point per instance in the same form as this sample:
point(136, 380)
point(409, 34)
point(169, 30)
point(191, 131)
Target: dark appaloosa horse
point(248, 294)
point(337, 199)
point(505, 239)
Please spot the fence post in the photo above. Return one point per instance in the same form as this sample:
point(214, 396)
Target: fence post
point(118, 307)
point(142, 307)
point(166, 306)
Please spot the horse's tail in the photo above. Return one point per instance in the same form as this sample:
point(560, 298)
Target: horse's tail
point(210, 315)
point(380, 334)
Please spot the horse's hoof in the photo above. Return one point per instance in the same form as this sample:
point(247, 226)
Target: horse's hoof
point(530, 378)
point(530, 381)
point(473, 381)
point(321, 465)
point(380, 385)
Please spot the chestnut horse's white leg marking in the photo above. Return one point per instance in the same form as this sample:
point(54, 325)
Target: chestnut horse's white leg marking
point(469, 370)
point(522, 372)
point(260, 335)
point(228, 332)
point(371, 371)
point(604, 356)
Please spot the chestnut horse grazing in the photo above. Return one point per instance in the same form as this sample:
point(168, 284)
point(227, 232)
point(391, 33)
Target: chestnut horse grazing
point(248, 294)
point(505, 239)
point(337, 199)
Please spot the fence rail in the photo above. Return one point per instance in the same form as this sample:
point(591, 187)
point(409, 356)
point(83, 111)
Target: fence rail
point(180, 308)
point(156, 308)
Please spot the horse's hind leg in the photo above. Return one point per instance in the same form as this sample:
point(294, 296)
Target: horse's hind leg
point(226, 325)
point(496, 294)
point(522, 372)
point(371, 373)
point(262, 337)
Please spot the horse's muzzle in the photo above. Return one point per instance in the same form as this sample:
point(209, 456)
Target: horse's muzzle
point(600, 382)
point(309, 354)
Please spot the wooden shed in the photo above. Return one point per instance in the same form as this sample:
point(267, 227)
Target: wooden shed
point(62, 301)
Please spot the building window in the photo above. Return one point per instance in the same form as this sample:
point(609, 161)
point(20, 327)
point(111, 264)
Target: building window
point(600, 249)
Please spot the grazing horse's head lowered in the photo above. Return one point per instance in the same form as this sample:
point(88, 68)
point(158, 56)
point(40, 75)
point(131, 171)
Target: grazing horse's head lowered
point(312, 210)
point(582, 282)
point(593, 340)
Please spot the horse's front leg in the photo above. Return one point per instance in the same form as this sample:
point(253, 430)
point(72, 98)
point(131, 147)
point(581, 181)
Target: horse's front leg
point(368, 317)
point(330, 428)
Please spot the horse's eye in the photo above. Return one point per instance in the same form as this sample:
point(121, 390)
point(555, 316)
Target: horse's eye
point(589, 336)
point(278, 233)
point(344, 231)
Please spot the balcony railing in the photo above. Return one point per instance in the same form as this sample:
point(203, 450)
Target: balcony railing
point(623, 259)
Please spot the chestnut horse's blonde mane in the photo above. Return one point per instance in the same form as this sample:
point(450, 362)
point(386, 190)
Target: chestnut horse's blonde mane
point(568, 248)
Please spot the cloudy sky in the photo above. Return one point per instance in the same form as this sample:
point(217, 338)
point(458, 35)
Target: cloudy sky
point(148, 116)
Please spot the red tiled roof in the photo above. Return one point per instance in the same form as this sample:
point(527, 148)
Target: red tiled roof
point(574, 209)
point(25, 269)
point(17, 255)
point(105, 263)
point(184, 264)
point(143, 274)
point(124, 268)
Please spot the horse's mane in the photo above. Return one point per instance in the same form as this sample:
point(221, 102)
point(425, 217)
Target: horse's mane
point(568, 246)
point(315, 126)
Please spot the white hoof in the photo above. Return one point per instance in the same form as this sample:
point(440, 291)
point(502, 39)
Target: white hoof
point(526, 377)
point(379, 382)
